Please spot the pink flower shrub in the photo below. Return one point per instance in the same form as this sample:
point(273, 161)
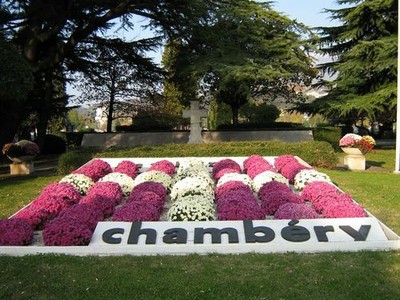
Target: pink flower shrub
point(83, 213)
point(108, 189)
point(238, 205)
point(127, 167)
point(225, 166)
point(94, 169)
point(319, 193)
point(151, 186)
point(290, 170)
point(256, 164)
point(295, 211)
point(15, 232)
point(283, 160)
point(63, 191)
point(163, 166)
point(147, 196)
point(34, 216)
point(272, 201)
point(230, 186)
point(104, 204)
point(66, 232)
point(343, 209)
point(136, 211)
point(273, 187)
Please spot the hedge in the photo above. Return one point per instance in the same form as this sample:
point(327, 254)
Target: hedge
point(317, 154)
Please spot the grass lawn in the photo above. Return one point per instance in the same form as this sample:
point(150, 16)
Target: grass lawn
point(361, 275)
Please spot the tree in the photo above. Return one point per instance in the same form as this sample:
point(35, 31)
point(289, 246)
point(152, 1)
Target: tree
point(54, 35)
point(365, 48)
point(249, 46)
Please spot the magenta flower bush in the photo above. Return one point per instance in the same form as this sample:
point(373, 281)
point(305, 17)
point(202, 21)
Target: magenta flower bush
point(127, 167)
point(146, 196)
point(343, 209)
point(108, 189)
point(83, 213)
point(238, 205)
point(290, 170)
point(225, 166)
point(151, 186)
point(272, 201)
point(137, 211)
point(320, 192)
point(15, 232)
point(95, 169)
point(164, 166)
point(102, 203)
point(230, 186)
point(66, 232)
point(63, 191)
point(35, 217)
point(273, 187)
point(283, 160)
point(255, 165)
point(295, 211)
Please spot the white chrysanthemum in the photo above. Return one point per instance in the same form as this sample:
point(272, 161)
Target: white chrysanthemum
point(125, 182)
point(191, 210)
point(81, 182)
point(156, 176)
point(304, 177)
point(191, 167)
point(235, 177)
point(266, 177)
point(197, 185)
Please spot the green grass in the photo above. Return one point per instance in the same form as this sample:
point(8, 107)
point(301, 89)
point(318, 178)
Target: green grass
point(361, 275)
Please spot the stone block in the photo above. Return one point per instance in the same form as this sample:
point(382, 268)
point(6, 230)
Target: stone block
point(22, 169)
point(355, 162)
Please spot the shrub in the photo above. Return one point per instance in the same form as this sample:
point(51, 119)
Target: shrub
point(327, 134)
point(53, 145)
point(74, 159)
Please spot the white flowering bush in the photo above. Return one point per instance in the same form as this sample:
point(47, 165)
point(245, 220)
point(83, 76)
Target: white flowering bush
point(191, 167)
point(125, 181)
point(267, 176)
point(193, 208)
point(81, 182)
point(304, 177)
point(155, 176)
point(197, 185)
point(235, 177)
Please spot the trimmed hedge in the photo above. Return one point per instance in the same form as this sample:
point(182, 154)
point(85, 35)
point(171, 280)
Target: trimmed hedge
point(332, 135)
point(318, 154)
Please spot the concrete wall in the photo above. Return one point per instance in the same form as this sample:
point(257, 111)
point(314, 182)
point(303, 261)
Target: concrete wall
point(129, 139)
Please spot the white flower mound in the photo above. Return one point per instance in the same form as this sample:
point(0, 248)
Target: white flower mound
point(197, 185)
point(191, 167)
point(193, 208)
point(304, 177)
point(155, 176)
point(81, 182)
point(235, 177)
point(125, 182)
point(267, 176)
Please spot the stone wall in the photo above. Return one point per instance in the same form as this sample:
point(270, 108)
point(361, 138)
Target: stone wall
point(129, 139)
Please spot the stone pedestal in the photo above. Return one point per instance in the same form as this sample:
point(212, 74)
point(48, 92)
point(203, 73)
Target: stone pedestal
point(354, 159)
point(22, 168)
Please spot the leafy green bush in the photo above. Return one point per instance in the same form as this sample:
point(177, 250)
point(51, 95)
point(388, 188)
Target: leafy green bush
point(332, 135)
point(53, 145)
point(257, 126)
point(318, 154)
point(259, 113)
point(73, 159)
point(73, 139)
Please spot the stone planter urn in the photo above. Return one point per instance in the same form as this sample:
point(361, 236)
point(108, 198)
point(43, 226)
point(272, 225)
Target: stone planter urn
point(354, 159)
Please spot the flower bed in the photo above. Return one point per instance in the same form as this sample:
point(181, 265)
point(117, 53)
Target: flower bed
point(195, 189)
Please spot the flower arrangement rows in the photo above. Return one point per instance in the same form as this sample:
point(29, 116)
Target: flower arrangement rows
point(66, 212)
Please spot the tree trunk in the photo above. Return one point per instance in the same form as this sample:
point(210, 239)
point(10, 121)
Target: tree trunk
point(235, 115)
point(111, 107)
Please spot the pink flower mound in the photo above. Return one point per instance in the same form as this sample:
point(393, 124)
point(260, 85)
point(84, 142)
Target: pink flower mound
point(230, 186)
point(320, 193)
point(163, 166)
point(272, 187)
point(136, 211)
point(127, 167)
point(103, 204)
point(107, 189)
point(84, 213)
point(343, 209)
point(283, 160)
point(151, 186)
point(272, 201)
point(238, 205)
point(291, 169)
point(53, 199)
point(347, 141)
point(149, 197)
point(225, 166)
point(94, 169)
point(256, 164)
point(66, 232)
point(295, 211)
point(15, 232)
